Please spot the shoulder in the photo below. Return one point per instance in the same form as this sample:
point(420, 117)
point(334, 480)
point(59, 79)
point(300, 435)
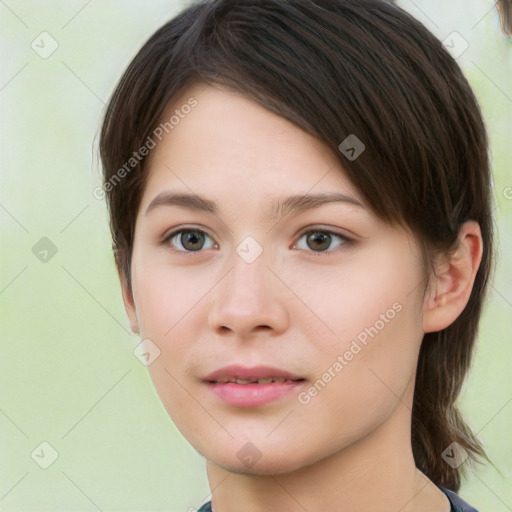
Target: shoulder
point(207, 507)
point(457, 503)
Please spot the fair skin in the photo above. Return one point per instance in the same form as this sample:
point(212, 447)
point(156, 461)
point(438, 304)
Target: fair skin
point(296, 308)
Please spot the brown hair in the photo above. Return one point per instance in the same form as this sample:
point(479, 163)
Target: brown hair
point(505, 12)
point(335, 68)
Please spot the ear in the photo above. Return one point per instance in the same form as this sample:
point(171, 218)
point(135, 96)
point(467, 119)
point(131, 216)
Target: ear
point(451, 286)
point(129, 303)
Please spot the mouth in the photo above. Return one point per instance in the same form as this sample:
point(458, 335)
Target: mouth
point(251, 387)
point(256, 374)
point(253, 380)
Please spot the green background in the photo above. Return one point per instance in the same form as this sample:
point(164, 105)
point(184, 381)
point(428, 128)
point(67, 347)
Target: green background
point(68, 373)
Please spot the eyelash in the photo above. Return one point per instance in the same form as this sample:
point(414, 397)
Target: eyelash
point(346, 241)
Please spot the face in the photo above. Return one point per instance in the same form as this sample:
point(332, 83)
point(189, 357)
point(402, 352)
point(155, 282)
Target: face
point(328, 292)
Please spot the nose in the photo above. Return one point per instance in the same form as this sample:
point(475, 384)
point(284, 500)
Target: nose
point(249, 299)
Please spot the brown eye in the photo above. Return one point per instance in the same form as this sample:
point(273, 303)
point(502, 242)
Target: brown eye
point(319, 240)
point(188, 240)
point(192, 240)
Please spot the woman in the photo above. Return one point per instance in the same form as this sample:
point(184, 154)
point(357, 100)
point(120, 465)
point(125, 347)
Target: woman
point(299, 199)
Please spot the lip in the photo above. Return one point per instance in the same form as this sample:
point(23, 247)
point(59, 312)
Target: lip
point(252, 395)
point(244, 372)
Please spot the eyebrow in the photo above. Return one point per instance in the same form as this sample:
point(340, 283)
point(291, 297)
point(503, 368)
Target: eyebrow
point(280, 208)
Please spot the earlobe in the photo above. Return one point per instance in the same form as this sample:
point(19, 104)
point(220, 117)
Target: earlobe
point(451, 286)
point(129, 303)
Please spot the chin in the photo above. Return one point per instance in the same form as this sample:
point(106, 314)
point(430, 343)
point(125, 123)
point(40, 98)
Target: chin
point(267, 461)
point(261, 467)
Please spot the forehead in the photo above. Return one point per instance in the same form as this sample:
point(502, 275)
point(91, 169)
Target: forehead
point(220, 116)
point(228, 144)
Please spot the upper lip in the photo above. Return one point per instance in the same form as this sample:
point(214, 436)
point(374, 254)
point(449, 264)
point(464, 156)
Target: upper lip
point(254, 372)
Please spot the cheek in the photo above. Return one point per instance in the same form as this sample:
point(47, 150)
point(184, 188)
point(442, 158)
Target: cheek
point(167, 299)
point(365, 298)
point(170, 302)
point(359, 385)
point(382, 323)
point(165, 296)
point(375, 313)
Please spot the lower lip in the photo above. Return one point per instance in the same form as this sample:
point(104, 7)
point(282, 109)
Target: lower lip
point(252, 395)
